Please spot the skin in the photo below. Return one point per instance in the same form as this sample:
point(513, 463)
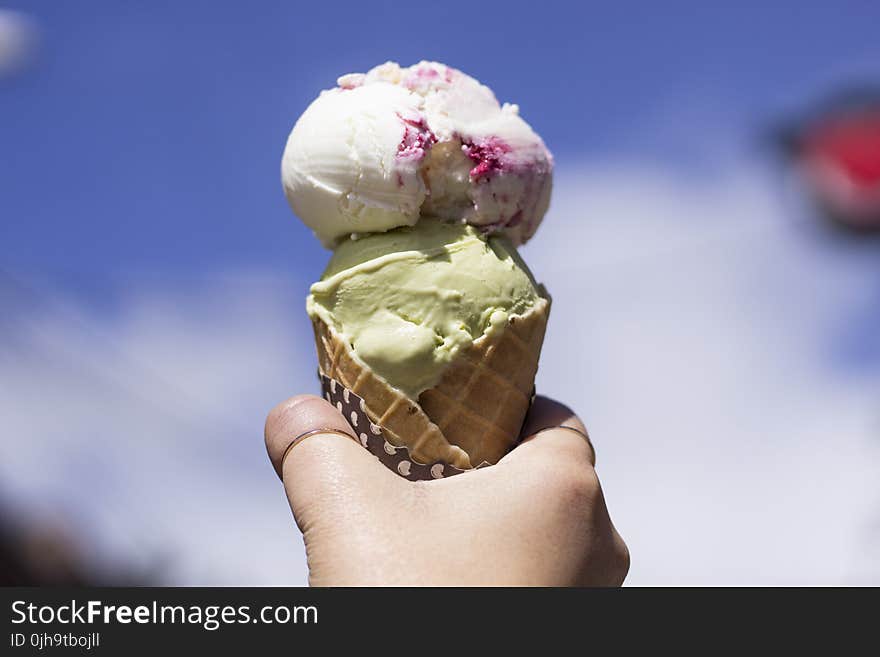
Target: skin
point(536, 518)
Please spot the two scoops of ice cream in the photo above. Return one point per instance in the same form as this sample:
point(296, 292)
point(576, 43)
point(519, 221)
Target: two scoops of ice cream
point(423, 185)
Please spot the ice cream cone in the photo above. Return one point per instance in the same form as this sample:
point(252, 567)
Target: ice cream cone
point(473, 415)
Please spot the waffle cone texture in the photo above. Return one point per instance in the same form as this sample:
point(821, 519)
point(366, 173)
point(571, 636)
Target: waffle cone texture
point(476, 411)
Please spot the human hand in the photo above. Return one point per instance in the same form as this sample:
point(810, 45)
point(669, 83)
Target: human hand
point(537, 517)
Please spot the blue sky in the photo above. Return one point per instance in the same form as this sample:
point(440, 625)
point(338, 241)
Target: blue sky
point(148, 135)
point(726, 355)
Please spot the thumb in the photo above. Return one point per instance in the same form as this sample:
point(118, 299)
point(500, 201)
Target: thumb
point(552, 431)
point(328, 469)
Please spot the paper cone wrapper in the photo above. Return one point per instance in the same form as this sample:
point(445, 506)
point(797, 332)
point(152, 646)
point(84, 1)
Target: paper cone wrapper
point(471, 418)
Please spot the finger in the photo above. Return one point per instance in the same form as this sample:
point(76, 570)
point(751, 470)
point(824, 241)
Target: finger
point(297, 417)
point(552, 429)
point(609, 559)
point(327, 466)
point(546, 412)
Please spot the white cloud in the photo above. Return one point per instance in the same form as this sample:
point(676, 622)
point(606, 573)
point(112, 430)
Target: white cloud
point(146, 422)
point(694, 328)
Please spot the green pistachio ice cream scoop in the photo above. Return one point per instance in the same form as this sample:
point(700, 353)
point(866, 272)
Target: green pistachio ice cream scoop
point(410, 299)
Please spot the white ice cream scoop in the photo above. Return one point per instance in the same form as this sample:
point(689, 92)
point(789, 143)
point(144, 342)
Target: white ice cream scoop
point(386, 148)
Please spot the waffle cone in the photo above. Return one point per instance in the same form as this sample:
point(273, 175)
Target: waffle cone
point(474, 414)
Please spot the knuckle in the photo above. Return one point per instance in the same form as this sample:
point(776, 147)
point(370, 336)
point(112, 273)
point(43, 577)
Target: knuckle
point(580, 482)
point(573, 486)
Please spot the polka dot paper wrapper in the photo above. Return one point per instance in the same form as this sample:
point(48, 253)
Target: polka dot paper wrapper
point(394, 457)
